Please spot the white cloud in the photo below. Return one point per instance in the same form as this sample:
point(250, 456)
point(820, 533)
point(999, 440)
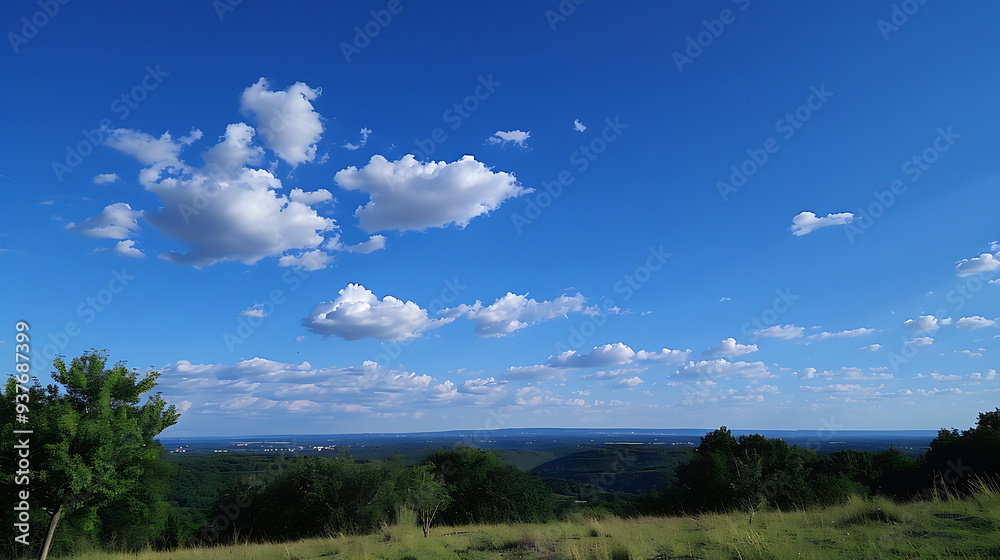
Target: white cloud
point(806, 222)
point(630, 381)
point(513, 312)
point(310, 198)
point(609, 354)
point(105, 178)
point(255, 386)
point(516, 136)
point(976, 265)
point(125, 248)
point(872, 347)
point(723, 368)
point(116, 221)
point(254, 311)
point(357, 313)
point(307, 260)
point(725, 299)
point(729, 348)
point(361, 143)
point(938, 377)
point(784, 332)
point(410, 195)
point(925, 323)
point(975, 322)
point(861, 331)
point(578, 126)
point(224, 211)
point(921, 341)
point(374, 243)
point(666, 356)
point(286, 119)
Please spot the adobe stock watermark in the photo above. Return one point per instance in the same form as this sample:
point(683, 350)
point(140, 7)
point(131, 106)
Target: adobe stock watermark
point(913, 169)
point(365, 34)
point(769, 317)
point(581, 158)
point(626, 287)
point(787, 126)
point(31, 26)
point(696, 44)
point(898, 17)
point(121, 106)
point(456, 115)
point(448, 295)
point(88, 310)
point(562, 12)
point(247, 324)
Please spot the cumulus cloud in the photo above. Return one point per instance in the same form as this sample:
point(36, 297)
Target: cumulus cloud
point(630, 381)
point(307, 260)
point(257, 386)
point(513, 312)
point(872, 347)
point(806, 222)
point(729, 348)
point(975, 322)
point(724, 368)
point(516, 136)
point(784, 332)
point(105, 178)
point(920, 341)
point(925, 323)
point(357, 313)
point(374, 243)
point(410, 195)
point(361, 143)
point(578, 126)
point(286, 119)
point(665, 356)
point(116, 221)
point(609, 354)
point(254, 311)
point(861, 331)
point(226, 210)
point(126, 248)
point(310, 198)
point(976, 265)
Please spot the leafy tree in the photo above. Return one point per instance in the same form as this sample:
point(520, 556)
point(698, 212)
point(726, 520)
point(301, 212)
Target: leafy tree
point(956, 458)
point(428, 496)
point(485, 489)
point(91, 438)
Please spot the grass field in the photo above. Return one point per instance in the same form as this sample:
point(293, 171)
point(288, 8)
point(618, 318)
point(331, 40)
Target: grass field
point(875, 528)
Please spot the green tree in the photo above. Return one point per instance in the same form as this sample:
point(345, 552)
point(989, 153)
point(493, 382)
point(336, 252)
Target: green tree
point(428, 496)
point(91, 438)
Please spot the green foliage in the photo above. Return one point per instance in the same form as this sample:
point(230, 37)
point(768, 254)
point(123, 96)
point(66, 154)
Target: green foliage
point(428, 495)
point(487, 490)
point(92, 447)
point(957, 460)
point(315, 496)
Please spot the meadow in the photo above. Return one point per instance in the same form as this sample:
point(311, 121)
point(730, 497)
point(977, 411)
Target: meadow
point(873, 527)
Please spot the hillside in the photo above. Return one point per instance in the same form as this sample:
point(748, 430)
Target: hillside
point(876, 528)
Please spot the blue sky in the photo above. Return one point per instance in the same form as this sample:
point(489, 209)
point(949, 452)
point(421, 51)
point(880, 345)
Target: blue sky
point(388, 216)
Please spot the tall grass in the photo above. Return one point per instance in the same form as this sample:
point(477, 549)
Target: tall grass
point(859, 528)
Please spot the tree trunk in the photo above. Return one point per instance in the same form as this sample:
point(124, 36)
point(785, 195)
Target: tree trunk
point(52, 531)
point(427, 529)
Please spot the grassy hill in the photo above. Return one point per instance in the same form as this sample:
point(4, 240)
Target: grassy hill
point(875, 528)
